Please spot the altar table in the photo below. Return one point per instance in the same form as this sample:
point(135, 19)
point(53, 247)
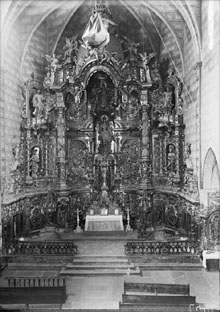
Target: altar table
point(104, 223)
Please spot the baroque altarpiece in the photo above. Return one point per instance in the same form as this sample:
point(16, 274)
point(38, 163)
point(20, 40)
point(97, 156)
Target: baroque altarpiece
point(103, 130)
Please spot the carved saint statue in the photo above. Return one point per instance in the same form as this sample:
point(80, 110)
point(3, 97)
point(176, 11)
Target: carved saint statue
point(106, 137)
point(35, 160)
point(171, 158)
point(38, 104)
point(15, 162)
point(102, 95)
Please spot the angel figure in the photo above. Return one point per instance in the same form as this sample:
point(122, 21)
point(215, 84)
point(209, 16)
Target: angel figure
point(52, 60)
point(70, 47)
point(47, 81)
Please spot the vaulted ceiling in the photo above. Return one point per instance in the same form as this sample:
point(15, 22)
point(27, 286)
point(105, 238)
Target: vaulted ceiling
point(146, 22)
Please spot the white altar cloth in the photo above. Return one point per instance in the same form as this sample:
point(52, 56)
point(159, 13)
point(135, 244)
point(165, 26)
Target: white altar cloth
point(104, 223)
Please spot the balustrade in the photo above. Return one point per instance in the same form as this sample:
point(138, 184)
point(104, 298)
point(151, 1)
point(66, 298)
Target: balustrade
point(46, 248)
point(36, 282)
point(150, 247)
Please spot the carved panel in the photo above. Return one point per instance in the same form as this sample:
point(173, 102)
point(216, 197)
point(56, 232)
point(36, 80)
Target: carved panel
point(78, 162)
point(129, 162)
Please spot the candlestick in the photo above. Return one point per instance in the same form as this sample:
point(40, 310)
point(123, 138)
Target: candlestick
point(78, 228)
point(128, 227)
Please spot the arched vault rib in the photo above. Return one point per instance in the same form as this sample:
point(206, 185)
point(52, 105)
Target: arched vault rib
point(195, 34)
point(14, 12)
point(150, 7)
point(129, 8)
point(49, 11)
point(64, 25)
point(185, 11)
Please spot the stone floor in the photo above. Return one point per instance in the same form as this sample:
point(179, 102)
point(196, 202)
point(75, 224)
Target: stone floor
point(94, 292)
point(106, 292)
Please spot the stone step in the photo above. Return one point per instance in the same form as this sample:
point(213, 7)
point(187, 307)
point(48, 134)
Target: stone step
point(97, 266)
point(170, 266)
point(149, 258)
point(45, 266)
point(50, 259)
point(31, 273)
point(100, 258)
point(101, 261)
point(100, 272)
point(104, 233)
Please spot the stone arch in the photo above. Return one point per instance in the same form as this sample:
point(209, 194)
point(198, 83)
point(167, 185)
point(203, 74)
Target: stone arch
point(211, 173)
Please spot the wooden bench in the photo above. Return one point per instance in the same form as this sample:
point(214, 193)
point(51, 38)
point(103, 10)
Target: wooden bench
point(33, 295)
point(158, 300)
point(138, 296)
point(177, 289)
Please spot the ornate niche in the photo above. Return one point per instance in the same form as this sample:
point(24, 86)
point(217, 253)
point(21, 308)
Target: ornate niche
point(167, 131)
point(102, 96)
point(38, 135)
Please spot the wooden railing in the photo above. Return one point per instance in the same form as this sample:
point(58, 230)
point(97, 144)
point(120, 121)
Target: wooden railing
point(66, 247)
point(152, 247)
point(36, 282)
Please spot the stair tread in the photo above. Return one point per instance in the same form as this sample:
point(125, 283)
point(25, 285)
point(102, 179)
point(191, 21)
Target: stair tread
point(170, 264)
point(100, 271)
point(99, 265)
point(100, 260)
point(19, 264)
point(76, 257)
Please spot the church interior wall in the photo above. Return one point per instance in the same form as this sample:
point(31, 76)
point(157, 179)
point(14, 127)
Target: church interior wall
point(210, 111)
point(34, 59)
point(191, 97)
point(10, 100)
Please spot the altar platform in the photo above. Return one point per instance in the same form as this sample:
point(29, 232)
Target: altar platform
point(104, 223)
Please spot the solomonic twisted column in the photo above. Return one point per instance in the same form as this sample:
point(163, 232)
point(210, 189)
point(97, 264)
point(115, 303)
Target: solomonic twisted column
point(146, 162)
point(61, 143)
